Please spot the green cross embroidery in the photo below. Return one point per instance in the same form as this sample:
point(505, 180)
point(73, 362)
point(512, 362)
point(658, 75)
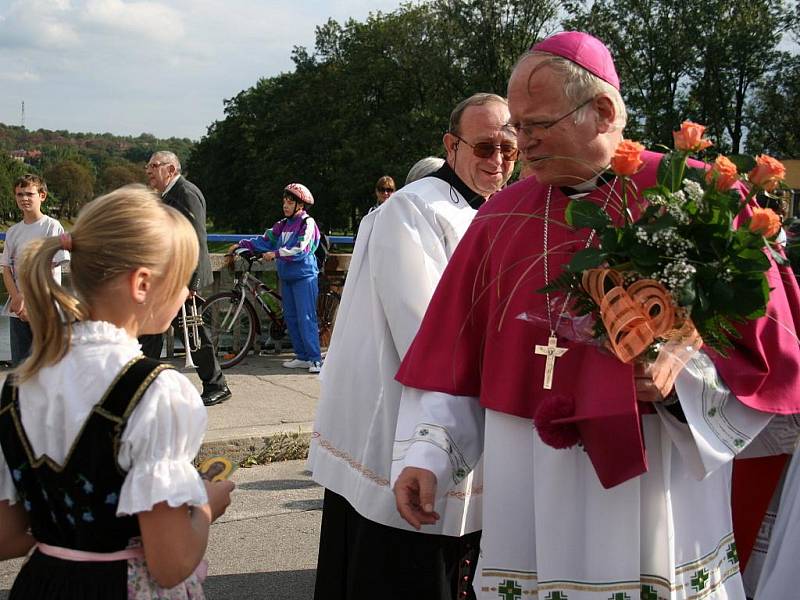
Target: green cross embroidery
point(699, 580)
point(649, 593)
point(712, 411)
point(619, 596)
point(738, 442)
point(732, 554)
point(509, 590)
point(556, 596)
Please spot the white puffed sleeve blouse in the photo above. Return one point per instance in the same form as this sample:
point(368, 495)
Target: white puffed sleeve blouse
point(162, 436)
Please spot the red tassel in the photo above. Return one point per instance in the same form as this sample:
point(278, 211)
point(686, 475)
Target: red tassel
point(560, 436)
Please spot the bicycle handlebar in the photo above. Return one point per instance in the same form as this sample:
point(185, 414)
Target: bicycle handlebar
point(247, 255)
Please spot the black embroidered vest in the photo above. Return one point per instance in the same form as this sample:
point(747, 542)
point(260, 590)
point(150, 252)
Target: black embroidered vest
point(74, 505)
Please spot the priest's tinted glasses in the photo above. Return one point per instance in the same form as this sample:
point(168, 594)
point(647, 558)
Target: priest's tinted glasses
point(542, 128)
point(508, 150)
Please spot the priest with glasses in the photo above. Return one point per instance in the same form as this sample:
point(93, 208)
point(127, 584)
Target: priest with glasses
point(366, 550)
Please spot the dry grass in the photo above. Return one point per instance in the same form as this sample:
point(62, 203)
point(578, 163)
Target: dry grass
point(284, 446)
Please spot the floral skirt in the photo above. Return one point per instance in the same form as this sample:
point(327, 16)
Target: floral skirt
point(47, 578)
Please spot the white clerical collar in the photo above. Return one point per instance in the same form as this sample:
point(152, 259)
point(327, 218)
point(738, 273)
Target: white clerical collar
point(171, 183)
point(586, 187)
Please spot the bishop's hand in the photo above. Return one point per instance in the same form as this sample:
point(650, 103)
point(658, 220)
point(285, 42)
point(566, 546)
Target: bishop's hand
point(646, 390)
point(415, 494)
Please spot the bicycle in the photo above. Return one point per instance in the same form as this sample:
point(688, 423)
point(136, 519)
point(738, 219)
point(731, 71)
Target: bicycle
point(232, 321)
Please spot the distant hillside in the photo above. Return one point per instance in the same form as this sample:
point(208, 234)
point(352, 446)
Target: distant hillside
point(76, 166)
point(97, 147)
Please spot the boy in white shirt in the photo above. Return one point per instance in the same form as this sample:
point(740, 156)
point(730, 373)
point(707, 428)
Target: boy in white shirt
point(30, 191)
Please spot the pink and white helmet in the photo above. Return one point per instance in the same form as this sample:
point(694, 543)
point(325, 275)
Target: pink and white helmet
point(299, 191)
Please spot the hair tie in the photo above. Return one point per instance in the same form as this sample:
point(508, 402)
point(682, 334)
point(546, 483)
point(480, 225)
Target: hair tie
point(66, 241)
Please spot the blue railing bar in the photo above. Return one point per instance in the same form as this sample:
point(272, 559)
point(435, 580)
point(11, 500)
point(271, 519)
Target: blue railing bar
point(232, 237)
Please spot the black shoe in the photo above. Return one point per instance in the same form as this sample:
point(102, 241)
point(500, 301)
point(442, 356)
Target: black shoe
point(215, 396)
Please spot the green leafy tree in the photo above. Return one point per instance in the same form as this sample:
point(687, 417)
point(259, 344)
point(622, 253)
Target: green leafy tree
point(653, 44)
point(371, 99)
point(774, 116)
point(119, 174)
point(492, 35)
point(738, 45)
point(10, 171)
point(70, 185)
point(679, 60)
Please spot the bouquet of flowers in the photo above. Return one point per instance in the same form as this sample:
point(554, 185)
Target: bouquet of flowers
point(688, 260)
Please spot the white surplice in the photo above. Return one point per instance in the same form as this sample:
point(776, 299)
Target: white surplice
point(552, 532)
point(401, 251)
point(778, 543)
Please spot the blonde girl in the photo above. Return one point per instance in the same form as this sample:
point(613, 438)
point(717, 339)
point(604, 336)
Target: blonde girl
point(97, 441)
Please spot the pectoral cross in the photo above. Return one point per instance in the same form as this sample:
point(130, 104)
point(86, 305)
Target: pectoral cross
point(552, 352)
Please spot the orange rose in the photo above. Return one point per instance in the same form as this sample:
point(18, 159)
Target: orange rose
point(723, 173)
point(690, 137)
point(767, 174)
point(765, 221)
point(627, 158)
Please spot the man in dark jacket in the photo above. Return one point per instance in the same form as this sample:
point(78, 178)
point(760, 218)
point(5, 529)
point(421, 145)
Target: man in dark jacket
point(164, 174)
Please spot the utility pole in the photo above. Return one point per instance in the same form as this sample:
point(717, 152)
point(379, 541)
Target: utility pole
point(22, 115)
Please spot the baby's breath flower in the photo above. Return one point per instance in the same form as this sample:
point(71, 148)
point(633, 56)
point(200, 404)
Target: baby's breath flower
point(679, 198)
point(657, 200)
point(676, 274)
point(677, 213)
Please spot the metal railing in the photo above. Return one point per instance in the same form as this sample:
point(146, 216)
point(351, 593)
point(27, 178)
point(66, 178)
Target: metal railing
point(233, 237)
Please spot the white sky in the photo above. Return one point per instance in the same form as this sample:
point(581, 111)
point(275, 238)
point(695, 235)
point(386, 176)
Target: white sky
point(156, 66)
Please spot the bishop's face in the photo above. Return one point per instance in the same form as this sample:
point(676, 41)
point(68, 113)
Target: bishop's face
point(559, 151)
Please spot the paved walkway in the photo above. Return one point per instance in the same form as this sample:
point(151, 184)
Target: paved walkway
point(267, 400)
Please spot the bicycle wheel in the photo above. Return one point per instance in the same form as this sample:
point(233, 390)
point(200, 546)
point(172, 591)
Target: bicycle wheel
point(327, 305)
point(232, 328)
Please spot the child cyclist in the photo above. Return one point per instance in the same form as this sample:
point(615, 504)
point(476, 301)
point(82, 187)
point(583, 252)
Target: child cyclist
point(292, 242)
point(97, 441)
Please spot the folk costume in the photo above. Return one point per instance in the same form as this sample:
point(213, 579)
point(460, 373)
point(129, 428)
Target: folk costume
point(366, 549)
point(87, 443)
point(642, 507)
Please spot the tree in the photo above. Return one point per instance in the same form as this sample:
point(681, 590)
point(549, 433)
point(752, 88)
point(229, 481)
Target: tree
point(371, 99)
point(492, 35)
point(738, 43)
point(70, 185)
point(679, 60)
point(652, 42)
point(774, 115)
point(119, 174)
point(10, 171)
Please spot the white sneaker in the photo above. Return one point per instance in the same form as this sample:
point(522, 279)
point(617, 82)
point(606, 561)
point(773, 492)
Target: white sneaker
point(315, 367)
point(296, 363)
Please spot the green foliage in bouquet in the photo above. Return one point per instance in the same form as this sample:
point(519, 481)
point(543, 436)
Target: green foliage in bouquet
point(691, 235)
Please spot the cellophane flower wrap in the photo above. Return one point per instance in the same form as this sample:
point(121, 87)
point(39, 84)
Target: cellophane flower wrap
point(686, 263)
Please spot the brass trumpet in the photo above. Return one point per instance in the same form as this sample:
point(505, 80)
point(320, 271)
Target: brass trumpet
point(191, 324)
